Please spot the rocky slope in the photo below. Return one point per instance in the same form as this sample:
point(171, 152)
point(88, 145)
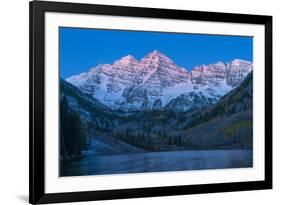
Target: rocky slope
point(225, 124)
point(96, 122)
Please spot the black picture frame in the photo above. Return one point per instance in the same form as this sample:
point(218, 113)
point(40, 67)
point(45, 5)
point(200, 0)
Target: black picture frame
point(37, 194)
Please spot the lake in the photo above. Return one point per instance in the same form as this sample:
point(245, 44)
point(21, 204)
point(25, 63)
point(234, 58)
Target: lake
point(157, 162)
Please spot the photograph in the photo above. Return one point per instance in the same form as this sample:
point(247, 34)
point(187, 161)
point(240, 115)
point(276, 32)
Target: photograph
point(146, 101)
point(133, 102)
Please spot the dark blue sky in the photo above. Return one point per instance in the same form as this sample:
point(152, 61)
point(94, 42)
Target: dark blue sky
point(81, 49)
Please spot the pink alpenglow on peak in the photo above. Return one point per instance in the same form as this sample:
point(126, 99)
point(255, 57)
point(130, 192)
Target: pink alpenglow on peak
point(156, 57)
point(155, 80)
point(127, 60)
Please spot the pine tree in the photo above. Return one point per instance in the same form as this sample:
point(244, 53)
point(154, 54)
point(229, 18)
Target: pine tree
point(72, 134)
point(63, 129)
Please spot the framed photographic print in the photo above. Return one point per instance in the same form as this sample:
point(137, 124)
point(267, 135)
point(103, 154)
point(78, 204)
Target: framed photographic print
point(140, 102)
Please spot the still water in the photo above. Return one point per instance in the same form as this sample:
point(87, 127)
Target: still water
point(157, 162)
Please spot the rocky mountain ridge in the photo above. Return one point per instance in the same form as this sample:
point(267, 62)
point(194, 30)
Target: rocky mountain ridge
point(156, 82)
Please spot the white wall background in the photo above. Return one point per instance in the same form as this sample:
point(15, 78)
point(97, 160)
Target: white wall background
point(14, 100)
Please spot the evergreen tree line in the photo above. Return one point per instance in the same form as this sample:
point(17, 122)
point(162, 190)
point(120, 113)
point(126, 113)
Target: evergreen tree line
point(72, 135)
point(149, 141)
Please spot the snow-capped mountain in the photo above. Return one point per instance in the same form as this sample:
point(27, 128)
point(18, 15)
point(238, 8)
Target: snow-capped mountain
point(156, 82)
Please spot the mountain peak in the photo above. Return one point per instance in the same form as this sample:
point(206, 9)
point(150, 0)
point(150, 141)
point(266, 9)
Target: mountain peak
point(156, 57)
point(240, 61)
point(220, 63)
point(126, 60)
point(156, 53)
point(129, 57)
